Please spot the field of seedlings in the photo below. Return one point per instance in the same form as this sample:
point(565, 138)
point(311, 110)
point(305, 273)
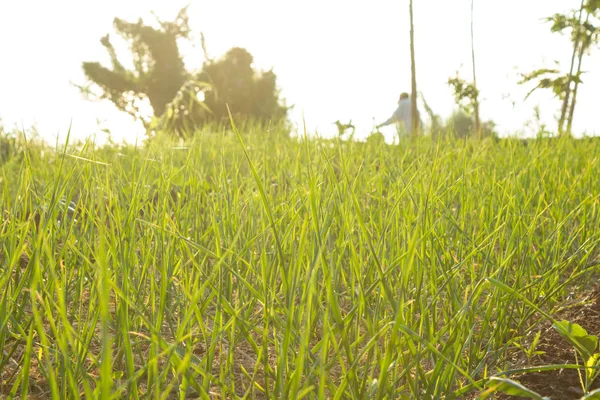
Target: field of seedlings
point(253, 265)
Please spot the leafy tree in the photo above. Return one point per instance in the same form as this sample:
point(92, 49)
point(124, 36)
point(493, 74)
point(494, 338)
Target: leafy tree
point(462, 122)
point(181, 100)
point(467, 120)
point(465, 95)
point(588, 34)
point(580, 24)
point(185, 112)
point(239, 86)
point(158, 73)
point(462, 125)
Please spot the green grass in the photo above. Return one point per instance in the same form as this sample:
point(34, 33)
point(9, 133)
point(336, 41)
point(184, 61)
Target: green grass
point(286, 268)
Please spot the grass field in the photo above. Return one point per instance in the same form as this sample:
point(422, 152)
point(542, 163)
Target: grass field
point(286, 268)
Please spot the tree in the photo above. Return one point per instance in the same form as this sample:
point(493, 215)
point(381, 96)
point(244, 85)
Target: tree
point(181, 100)
point(475, 98)
point(227, 84)
point(158, 73)
point(564, 86)
point(237, 85)
point(414, 112)
point(559, 24)
point(588, 34)
point(461, 125)
point(466, 96)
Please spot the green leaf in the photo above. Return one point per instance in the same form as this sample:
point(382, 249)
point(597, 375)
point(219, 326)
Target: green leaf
point(513, 388)
point(593, 395)
point(592, 361)
point(592, 6)
point(578, 336)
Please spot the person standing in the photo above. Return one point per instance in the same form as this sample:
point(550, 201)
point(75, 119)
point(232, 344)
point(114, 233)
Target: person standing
point(402, 116)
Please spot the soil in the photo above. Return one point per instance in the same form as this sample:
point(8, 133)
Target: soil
point(562, 384)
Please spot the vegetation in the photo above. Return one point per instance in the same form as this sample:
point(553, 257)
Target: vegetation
point(181, 100)
point(462, 123)
point(584, 33)
point(261, 266)
point(234, 261)
point(466, 121)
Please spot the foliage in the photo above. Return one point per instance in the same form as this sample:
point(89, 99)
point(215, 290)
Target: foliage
point(548, 79)
point(462, 125)
point(237, 85)
point(159, 71)
point(538, 126)
point(343, 128)
point(514, 388)
point(586, 346)
point(376, 138)
point(262, 267)
point(181, 100)
point(510, 387)
point(531, 350)
point(5, 144)
point(185, 113)
point(467, 120)
point(465, 94)
point(14, 143)
point(584, 33)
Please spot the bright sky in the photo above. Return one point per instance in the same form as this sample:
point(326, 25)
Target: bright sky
point(335, 59)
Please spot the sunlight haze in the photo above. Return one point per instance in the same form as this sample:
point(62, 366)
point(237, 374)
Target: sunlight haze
point(345, 60)
point(256, 212)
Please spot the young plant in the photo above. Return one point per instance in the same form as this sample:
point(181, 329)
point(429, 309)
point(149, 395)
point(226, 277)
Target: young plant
point(531, 351)
point(510, 387)
point(514, 388)
point(586, 347)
